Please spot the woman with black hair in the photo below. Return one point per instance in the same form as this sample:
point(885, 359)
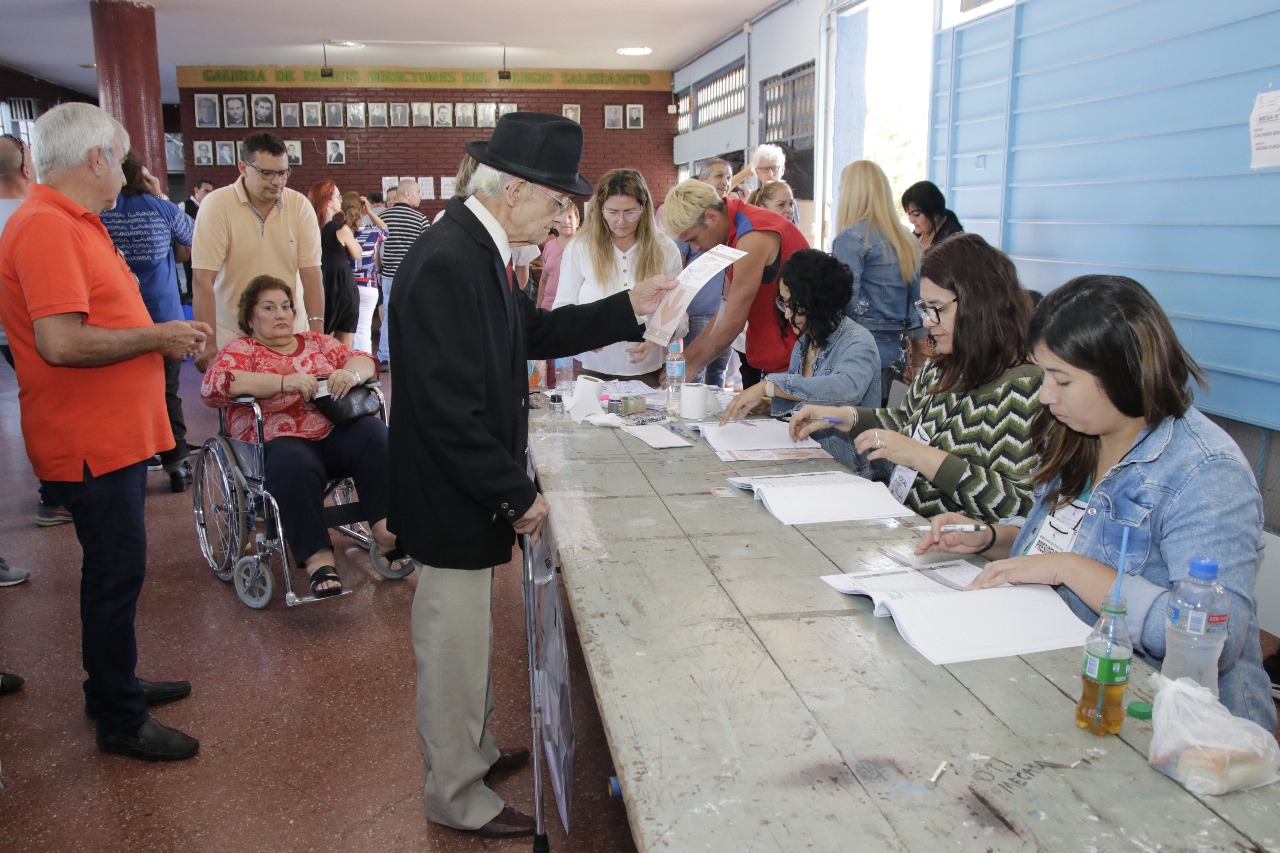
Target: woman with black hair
point(834, 360)
point(1123, 451)
point(961, 441)
point(925, 206)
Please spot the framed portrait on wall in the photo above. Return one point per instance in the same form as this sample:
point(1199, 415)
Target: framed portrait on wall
point(336, 152)
point(289, 115)
point(399, 115)
point(572, 111)
point(443, 115)
point(464, 115)
point(486, 114)
point(355, 115)
point(264, 110)
point(421, 114)
point(333, 115)
point(312, 114)
point(503, 109)
point(226, 153)
point(377, 114)
point(207, 111)
point(293, 151)
point(613, 117)
point(202, 152)
point(635, 116)
point(235, 112)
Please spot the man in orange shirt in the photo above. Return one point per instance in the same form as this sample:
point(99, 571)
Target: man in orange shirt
point(91, 390)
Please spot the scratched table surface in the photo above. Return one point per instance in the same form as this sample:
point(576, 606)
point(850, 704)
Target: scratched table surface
point(748, 706)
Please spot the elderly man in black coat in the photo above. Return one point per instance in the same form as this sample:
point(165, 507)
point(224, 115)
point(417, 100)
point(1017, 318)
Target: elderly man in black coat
point(460, 336)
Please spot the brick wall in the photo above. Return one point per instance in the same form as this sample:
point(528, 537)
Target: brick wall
point(435, 152)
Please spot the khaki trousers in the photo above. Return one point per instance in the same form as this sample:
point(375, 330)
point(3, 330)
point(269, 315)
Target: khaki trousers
point(453, 643)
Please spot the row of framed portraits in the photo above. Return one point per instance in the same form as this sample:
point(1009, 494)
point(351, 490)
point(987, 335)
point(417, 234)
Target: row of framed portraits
point(223, 153)
point(238, 111)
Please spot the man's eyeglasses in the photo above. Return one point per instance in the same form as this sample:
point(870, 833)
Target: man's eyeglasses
point(562, 203)
point(22, 150)
point(931, 313)
point(271, 174)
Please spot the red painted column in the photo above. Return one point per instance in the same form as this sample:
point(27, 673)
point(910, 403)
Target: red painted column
point(124, 47)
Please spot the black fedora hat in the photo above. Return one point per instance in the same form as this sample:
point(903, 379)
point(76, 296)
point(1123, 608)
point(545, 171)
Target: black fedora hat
point(538, 147)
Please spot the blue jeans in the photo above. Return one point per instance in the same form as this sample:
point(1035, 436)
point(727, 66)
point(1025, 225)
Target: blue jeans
point(384, 342)
point(713, 373)
point(109, 516)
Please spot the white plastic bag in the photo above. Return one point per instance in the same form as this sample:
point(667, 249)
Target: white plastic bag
point(1199, 744)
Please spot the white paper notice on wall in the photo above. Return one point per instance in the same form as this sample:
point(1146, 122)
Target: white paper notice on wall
point(446, 187)
point(427, 188)
point(389, 182)
point(1264, 130)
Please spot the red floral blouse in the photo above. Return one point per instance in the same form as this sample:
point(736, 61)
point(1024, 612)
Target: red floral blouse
point(282, 414)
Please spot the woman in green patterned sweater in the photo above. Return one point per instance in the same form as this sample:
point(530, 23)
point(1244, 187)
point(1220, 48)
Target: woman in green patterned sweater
point(961, 441)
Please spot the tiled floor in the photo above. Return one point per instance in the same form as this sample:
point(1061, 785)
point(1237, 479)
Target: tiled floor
point(305, 715)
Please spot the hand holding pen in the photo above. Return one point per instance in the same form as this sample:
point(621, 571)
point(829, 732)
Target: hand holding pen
point(810, 418)
point(952, 533)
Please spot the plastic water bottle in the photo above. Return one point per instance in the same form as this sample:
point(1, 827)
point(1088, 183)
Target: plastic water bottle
point(1108, 654)
point(564, 377)
point(1195, 628)
point(675, 377)
point(556, 405)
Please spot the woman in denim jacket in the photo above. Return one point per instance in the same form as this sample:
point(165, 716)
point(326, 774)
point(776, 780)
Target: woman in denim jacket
point(834, 360)
point(1123, 448)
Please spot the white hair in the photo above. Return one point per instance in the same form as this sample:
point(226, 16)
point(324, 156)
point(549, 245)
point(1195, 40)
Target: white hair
point(489, 182)
point(769, 153)
point(66, 134)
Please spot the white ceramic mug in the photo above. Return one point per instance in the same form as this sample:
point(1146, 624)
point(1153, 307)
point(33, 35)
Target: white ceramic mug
point(693, 401)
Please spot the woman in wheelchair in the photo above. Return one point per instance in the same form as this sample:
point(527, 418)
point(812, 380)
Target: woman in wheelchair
point(303, 448)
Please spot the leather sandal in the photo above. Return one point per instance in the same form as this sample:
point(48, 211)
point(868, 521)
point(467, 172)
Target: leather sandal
point(325, 574)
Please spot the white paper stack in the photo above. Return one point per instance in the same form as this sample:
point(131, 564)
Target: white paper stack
point(825, 496)
point(947, 624)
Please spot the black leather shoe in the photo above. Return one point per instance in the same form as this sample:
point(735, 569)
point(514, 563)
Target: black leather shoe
point(180, 478)
point(156, 693)
point(510, 759)
point(9, 683)
point(152, 741)
point(508, 824)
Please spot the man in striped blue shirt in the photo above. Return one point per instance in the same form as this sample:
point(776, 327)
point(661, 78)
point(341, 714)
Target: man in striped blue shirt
point(404, 225)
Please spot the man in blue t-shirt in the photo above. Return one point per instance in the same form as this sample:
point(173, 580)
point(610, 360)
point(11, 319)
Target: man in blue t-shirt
point(144, 225)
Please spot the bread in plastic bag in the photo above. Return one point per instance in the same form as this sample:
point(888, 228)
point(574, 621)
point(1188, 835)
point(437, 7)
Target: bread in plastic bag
point(1199, 744)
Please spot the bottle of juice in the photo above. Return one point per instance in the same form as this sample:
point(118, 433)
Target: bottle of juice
point(1107, 655)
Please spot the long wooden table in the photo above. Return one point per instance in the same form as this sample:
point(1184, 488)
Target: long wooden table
point(748, 706)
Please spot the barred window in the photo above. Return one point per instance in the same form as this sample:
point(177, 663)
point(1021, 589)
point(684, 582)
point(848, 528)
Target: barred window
point(787, 108)
point(713, 98)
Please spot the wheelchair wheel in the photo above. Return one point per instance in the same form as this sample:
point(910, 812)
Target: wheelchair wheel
point(392, 571)
point(253, 581)
point(218, 497)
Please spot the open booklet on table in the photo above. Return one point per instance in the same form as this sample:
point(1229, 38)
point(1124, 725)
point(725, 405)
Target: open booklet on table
point(822, 496)
point(947, 624)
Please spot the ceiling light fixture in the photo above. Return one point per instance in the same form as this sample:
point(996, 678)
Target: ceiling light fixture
point(343, 43)
point(88, 65)
point(634, 51)
point(504, 73)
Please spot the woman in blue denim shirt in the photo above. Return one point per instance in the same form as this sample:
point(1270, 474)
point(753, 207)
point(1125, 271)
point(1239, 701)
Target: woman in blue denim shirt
point(1123, 448)
point(885, 259)
point(834, 361)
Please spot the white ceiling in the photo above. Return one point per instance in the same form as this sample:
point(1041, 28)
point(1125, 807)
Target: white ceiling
point(51, 38)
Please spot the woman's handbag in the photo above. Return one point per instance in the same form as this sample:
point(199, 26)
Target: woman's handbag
point(360, 401)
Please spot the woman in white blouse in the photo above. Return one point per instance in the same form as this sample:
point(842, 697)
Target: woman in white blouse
point(617, 246)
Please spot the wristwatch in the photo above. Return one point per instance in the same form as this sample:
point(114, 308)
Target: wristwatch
point(768, 388)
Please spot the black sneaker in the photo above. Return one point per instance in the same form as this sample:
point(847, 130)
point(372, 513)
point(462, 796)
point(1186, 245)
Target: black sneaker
point(155, 464)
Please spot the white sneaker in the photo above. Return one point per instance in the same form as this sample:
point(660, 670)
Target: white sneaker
point(10, 576)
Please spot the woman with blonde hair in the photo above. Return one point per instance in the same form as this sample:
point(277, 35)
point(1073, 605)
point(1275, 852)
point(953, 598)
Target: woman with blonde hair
point(776, 196)
point(356, 211)
point(885, 259)
point(617, 247)
point(338, 247)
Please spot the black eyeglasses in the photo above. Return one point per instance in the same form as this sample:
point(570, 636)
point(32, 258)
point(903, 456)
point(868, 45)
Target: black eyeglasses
point(22, 150)
point(785, 305)
point(271, 174)
point(932, 313)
